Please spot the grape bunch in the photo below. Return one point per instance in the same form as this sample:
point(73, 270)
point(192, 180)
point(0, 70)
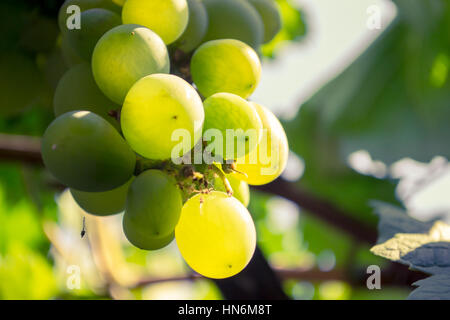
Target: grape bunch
point(145, 75)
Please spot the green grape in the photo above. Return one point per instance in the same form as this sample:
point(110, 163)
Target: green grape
point(168, 18)
point(86, 153)
point(229, 113)
point(77, 90)
point(225, 66)
point(102, 203)
point(95, 22)
point(140, 238)
point(270, 16)
point(240, 188)
point(154, 109)
point(84, 5)
point(196, 28)
point(216, 235)
point(153, 205)
point(266, 163)
point(124, 55)
point(70, 56)
point(234, 19)
point(20, 83)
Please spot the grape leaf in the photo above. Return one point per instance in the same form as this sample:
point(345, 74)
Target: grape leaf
point(432, 289)
point(423, 246)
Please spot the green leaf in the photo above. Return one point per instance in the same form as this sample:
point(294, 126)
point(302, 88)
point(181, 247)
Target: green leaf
point(432, 288)
point(422, 246)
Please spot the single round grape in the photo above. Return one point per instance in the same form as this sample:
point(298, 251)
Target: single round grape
point(86, 153)
point(230, 113)
point(234, 19)
point(124, 55)
point(270, 16)
point(70, 56)
point(225, 66)
point(77, 90)
point(20, 82)
point(259, 165)
point(155, 108)
point(63, 16)
point(240, 188)
point(140, 238)
point(102, 203)
point(168, 18)
point(95, 23)
point(154, 204)
point(216, 235)
point(196, 28)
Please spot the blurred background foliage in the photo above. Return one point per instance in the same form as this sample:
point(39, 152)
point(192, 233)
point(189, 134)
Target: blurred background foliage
point(391, 103)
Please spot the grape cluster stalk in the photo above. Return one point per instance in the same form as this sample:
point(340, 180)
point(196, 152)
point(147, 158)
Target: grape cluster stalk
point(142, 73)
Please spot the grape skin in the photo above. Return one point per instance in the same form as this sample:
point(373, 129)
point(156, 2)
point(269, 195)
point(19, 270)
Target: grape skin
point(240, 188)
point(225, 66)
point(141, 239)
point(95, 23)
point(216, 235)
point(77, 90)
point(270, 16)
point(154, 108)
point(196, 28)
point(234, 19)
point(84, 152)
point(125, 54)
point(225, 111)
point(102, 203)
point(276, 143)
point(155, 14)
point(84, 5)
point(153, 205)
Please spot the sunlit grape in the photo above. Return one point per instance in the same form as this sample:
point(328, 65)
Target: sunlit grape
point(237, 123)
point(226, 66)
point(124, 55)
point(266, 162)
point(216, 235)
point(155, 107)
point(168, 18)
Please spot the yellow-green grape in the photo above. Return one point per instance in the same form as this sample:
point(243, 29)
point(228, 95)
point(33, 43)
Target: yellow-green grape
point(270, 16)
point(266, 163)
point(234, 19)
point(226, 66)
point(238, 124)
point(125, 54)
point(196, 28)
point(77, 90)
point(95, 22)
point(140, 238)
point(83, 5)
point(20, 83)
point(102, 203)
point(154, 204)
point(240, 188)
point(70, 56)
point(154, 109)
point(216, 235)
point(86, 153)
point(168, 18)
